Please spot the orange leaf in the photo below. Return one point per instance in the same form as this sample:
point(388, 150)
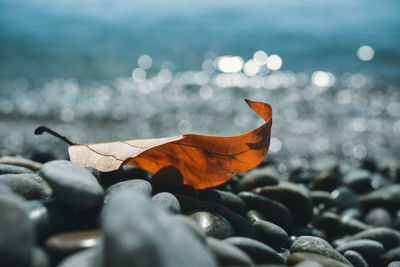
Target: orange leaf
point(204, 161)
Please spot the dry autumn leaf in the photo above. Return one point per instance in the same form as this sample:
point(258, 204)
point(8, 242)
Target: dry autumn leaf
point(204, 161)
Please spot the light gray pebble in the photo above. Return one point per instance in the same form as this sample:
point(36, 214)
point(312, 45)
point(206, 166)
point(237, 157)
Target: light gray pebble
point(167, 201)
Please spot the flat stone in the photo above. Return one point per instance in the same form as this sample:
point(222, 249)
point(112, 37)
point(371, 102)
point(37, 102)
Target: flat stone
point(73, 184)
point(271, 234)
point(386, 197)
point(386, 236)
point(212, 224)
point(315, 245)
point(271, 210)
point(257, 178)
point(62, 245)
point(297, 200)
point(355, 258)
point(226, 198)
point(369, 249)
point(137, 186)
point(325, 261)
point(138, 233)
point(28, 185)
point(16, 232)
point(378, 217)
point(84, 258)
point(12, 169)
point(259, 252)
point(167, 201)
point(227, 254)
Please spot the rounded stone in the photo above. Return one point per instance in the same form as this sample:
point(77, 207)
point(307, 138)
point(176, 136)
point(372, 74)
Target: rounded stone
point(137, 186)
point(39, 258)
point(330, 223)
point(28, 185)
point(271, 234)
point(355, 258)
point(394, 264)
point(391, 255)
point(369, 249)
point(386, 236)
point(227, 254)
point(345, 198)
point(226, 198)
point(322, 197)
point(259, 252)
point(12, 169)
point(85, 258)
point(212, 224)
point(167, 201)
point(298, 257)
point(326, 181)
point(73, 184)
point(358, 180)
point(378, 217)
point(257, 178)
point(253, 216)
point(386, 197)
point(21, 162)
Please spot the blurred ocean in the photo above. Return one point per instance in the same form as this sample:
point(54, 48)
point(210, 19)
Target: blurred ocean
point(108, 70)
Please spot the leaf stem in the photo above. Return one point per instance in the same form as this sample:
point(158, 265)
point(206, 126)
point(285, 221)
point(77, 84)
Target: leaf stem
point(42, 129)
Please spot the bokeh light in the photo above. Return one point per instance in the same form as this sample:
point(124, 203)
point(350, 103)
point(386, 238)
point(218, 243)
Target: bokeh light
point(365, 53)
point(274, 62)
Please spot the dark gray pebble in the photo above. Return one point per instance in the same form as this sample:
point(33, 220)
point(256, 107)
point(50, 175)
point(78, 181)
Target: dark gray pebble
point(308, 231)
point(28, 185)
point(354, 226)
point(297, 200)
point(345, 198)
point(330, 223)
point(137, 186)
point(272, 210)
point(12, 169)
point(73, 184)
point(227, 254)
point(386, 236)
point(385, 197)
point(212, 224)
point(322, 197)
point(253, 216)
point(312, 244)
point(16, 232)
point(257, 178)
point(358, 180)
point(326, 181)
point(369, 249)
point(355, 258)
point(391, 255)
point(258, 251)
point(137, 233)
point(378, 217)
point(271, 234)
point(226, 198)
point(167, 201)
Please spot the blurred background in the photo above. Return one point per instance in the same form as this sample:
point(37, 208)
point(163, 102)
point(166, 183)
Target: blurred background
point(108, 70)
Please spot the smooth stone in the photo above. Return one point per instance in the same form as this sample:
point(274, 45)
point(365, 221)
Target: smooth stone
point(325, 261)
point(297, 200)
point(391, 255)
point(351, 213)
point(322, 197)
point(241, 226)
point(62, 245)
point(227, 254)
point(330, 223)
point(258, 251)
point(84, 258)
point(386, 236)
point(212, 224)
point(326, 181)
point(138, 233)
point(134, 172)
point(137, 186)
point(272, 210)
point(253, 216)
point(167, 201)
point(308, 231)
point(73, 184)
point(386, 197)
point(271, 234)
point(16, 232)
point(345, 198)
point(12, 169)
point(226, 198)
point(39, 258)
point(358, 180)
point(26, 184)
point(394, 264)
point(168, 175)
point(257, 178)
point(308, 264)
point(355, 258)
point(21, 162)
point(369, 249)
point(312, 244)
point(378, 217)
point(353, 226)
point(188, 203)
point(191, 225)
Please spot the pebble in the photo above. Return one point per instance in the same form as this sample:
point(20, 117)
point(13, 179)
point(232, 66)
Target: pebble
point(369, 249)
point(62, 245)
point(315, 245)
point(385, 197)
point(39, 258)
point(298, 201)
point(394, 264)
point(226, 198)
point(353, 226)
point(386, 236)
point(227, 254)
point(133, 229)
point(326, 181)
point(391, 255)
point(137, 186)
point(331, 224)
point(182, 189)
point(259, 252)
point(73, 184)
point(212, 224)
point(378, 217)
point(345, 198)
point(322, 197)
point(85, 258)
point(253, 216)
point(271, 234)
point(168, 175)
point(355, 258)
point(325, 261)
point(134, 172)
point(191, 225)
point(21, 162)
point(271, 210)
point(358, 180)
point(257, 178)
point(167, 201)
point(26, 184)
point(12, 169)
point(16, 231)
point(308, 231)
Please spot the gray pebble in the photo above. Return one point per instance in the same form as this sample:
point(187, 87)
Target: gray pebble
point(212, 224)
point(25, 184)
point(39, 258)
point(137, 186)
point(227, 254)
point(257, 178)
point(12, 169)
point(394, 264)
point(299, 257)
point(386, 236)
point(271, 234)
point(73, 184)
point(226, 198)
point(386, 197)
point(355, 258)
point(167, 201)
point(369, 249)
point(378, 217)
point(391, 255)
point(85, 258)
